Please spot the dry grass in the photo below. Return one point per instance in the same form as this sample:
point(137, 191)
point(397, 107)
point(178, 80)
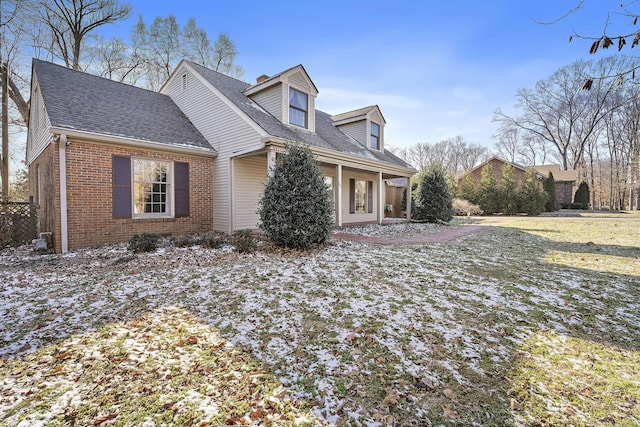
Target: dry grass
point(489, 329)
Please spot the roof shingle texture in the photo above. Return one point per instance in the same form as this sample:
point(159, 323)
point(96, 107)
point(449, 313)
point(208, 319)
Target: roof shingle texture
point(83, 102)
point(326, 135)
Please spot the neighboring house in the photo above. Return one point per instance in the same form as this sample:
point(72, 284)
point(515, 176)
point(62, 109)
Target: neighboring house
point(564, 180)
point(496, 164)
point(108, 160)
point(566, 183)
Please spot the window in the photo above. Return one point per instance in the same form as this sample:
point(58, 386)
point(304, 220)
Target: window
point(144, 188)
point(298, 107)
point(375, 136)
point(151, 187)
point(360, 196)
point(184, 81)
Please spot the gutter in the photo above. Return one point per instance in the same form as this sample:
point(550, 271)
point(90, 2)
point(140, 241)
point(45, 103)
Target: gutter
point(130, 142)
point(328, 154)
point(64, 227)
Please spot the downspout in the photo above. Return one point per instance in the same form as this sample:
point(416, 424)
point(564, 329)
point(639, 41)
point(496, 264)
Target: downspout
point(64, 231)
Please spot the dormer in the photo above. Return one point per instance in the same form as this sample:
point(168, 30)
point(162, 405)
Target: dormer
point(289, 96)
point(365, 125)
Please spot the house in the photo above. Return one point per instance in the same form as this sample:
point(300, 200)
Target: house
point(108, 160)
point(564, 180)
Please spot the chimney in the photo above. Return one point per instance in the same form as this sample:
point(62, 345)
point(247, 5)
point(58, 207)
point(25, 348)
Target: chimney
point(261, 78)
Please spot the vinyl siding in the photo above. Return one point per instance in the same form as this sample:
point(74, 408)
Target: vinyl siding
point(250, 176)
point(356, 130)
point(271, 100)
point(39, 135)
point(225, 130)
point(349, 218)
point(299, 81)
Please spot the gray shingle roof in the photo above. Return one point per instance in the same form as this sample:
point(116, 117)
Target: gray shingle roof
point(326, 135)
point(83, 102)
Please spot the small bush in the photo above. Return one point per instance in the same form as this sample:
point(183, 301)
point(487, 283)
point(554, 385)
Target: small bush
point(296, 209)
point(462, 207)
point(184, 241)
point(145, 242)
point(211, 242)
point(243, 241)
point(434, 198)
point(582, 195)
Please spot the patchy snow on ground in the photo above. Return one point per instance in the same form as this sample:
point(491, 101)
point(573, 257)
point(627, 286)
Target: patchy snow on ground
point(371, 335)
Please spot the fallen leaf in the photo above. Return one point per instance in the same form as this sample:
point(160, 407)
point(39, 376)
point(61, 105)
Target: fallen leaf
point(192, 340)
point(391, 398)
point(352, 338)
point(449, 413)
point(450, 394)
point(427, 382)
point(103, 419)
point(257, 413)
point(514, 405)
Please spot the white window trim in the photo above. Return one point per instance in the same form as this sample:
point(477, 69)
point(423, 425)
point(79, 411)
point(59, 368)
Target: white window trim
point(307, 112)
point(366, 198)
point(379, 147)
point(170, 191)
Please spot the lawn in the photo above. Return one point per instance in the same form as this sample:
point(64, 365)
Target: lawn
point(531, 321)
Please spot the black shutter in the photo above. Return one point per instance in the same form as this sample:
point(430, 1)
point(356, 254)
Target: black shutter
point(352, 195)
point(369, 196)
point(181, 180)
point(121, 186)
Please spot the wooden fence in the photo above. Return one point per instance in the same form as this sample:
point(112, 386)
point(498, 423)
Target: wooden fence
point(17, 223)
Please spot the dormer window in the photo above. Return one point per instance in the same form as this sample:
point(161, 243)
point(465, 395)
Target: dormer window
point(298, 108)
point(375, 136)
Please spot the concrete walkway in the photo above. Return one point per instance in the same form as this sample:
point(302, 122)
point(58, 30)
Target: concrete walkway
point(441, 236)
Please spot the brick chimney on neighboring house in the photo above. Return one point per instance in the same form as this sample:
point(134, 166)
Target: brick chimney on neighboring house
point(261, 78)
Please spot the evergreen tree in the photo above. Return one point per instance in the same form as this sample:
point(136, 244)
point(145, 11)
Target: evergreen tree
point(414, 192)
point(434, 202)
point(508, 191)
point(467, 189)
point(582, 195)
point(531, 199)
point(488, 195)
point(296, 207)
point(550, 189)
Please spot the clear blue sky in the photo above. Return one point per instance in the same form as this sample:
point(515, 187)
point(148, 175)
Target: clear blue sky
point(437, 69)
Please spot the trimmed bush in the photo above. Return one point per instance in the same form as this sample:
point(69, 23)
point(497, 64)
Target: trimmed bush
point(296, 210)
point(434, 198)
point(550, 189)
point(531, 199)
point(243, 241)
point(581, 196)
point(462, 207)
point(508, 191)
point(488, 196)
point(467, 189)
point(146, 242)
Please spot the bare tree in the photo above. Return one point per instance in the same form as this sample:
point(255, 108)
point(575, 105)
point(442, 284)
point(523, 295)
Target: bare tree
point(69, 22)
point(560, 112)
point(164, 43)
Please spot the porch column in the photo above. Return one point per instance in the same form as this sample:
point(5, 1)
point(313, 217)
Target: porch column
point(408, 199)
point(271, 161)
point(338, 200)
point(380, 198)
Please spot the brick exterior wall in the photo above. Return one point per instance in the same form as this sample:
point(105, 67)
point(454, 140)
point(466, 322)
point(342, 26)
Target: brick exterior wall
point(496, 168)
point(89, 196)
